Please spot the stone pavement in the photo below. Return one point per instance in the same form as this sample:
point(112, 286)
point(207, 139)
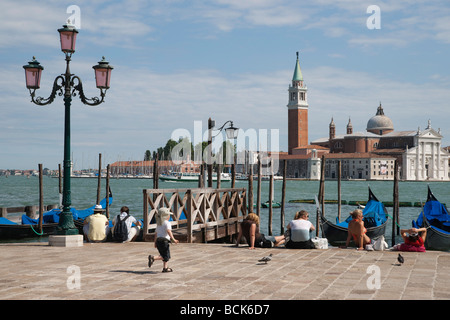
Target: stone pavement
point(217, 271)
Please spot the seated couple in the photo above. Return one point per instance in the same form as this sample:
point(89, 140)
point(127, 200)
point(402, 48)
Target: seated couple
point(299, 230)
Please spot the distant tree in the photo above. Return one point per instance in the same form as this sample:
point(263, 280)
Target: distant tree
point(148, 155)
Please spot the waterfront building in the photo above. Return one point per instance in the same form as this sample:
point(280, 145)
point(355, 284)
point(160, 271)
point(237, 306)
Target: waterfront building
point(145, 168)
point(366, 155)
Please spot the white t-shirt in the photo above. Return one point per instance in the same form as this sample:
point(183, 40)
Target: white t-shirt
point(300, 230)
point(161, 231)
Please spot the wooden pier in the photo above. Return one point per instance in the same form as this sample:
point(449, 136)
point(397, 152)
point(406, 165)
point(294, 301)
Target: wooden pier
point(200, 215)
point(30, 211)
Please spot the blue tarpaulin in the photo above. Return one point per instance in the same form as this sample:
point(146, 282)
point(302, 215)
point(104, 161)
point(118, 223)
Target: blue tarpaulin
point(374, 215)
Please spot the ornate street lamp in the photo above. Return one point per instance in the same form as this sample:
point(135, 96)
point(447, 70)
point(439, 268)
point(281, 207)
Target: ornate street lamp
point(232, 133)
point(67, 85)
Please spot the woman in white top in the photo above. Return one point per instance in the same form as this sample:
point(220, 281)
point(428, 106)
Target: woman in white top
point(299, 229)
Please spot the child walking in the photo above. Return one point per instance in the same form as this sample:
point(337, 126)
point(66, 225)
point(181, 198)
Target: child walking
point(162, 239)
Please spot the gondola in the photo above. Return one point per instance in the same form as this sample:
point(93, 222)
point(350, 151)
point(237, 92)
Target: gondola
point(437, 222)
point(374, 216)
point(29, 228)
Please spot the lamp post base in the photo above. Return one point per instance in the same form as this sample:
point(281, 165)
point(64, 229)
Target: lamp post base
point(66, 226)
point(65, 240)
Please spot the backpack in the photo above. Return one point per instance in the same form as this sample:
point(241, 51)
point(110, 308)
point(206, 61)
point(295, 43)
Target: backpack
point(120, 229)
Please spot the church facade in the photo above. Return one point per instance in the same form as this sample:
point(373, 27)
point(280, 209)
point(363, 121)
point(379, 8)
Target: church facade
point(366, 155)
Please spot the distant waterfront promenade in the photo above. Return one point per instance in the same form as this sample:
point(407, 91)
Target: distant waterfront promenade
point(218, 272)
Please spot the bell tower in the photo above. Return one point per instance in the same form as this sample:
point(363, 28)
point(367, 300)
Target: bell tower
point(297, 111)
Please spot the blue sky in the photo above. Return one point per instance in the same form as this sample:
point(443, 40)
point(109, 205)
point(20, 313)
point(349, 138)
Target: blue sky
point(177, 62)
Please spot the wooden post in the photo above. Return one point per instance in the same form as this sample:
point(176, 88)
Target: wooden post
point(155, 173)
point(250, 189)
point(108, 168)
point(99, 180)
point(209, 164)
point(60, 185)
point(283, 197)
point(189, 216)
point(30, 211)
point(145, 213)
point(60, 178)
point(41, 198)
point(219, 175)
point(395, 202)
point(233, 172)
point(3, 212)
point(258, 191)
point(270, 200)
point(201, 179)
point(321, 193)
point(339, 190)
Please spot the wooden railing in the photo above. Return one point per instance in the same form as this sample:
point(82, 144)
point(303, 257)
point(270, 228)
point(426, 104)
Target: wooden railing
point(199, 210)
point(31, 211)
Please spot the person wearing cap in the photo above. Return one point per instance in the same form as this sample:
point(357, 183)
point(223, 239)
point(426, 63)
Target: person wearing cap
point(162, 239)
point(96, 226)
point(414, 240)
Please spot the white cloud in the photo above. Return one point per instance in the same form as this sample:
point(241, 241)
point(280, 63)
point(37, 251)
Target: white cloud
point(142, 114)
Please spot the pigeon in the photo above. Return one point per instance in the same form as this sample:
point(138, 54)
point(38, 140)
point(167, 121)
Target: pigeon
point(266, 259)
point(400, 259)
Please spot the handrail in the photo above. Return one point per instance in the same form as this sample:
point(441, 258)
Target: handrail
point(203, 207)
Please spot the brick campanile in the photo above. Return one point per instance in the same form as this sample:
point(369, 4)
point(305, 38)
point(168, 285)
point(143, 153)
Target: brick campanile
point(297, 111)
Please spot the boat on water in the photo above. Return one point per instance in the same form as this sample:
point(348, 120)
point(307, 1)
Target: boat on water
point(374, 216)
point(434, 216)
point(274, 204)
point(28, 228)
point(192, 176)
point(240, 176)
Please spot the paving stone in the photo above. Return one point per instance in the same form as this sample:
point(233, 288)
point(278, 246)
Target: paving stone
point(216, 272)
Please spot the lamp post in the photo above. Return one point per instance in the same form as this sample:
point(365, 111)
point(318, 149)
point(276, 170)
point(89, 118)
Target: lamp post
point(231, 132)
point(66, 85)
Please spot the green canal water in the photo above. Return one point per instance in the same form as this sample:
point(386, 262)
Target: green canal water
point(18, 191)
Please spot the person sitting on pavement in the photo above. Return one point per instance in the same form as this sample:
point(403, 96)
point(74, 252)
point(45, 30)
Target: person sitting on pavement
point(250, 230)
point(299, 229)
point(357, 231)
point(96, 226)
point(414, 240)
point(133, 232)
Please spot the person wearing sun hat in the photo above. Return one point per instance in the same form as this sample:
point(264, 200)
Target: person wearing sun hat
point(162, 239)
point(96, 226)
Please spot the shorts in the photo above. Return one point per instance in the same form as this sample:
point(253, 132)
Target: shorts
point(265, 241)
point(163, 246)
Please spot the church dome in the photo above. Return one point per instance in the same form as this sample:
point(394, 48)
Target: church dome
point(380, 124)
